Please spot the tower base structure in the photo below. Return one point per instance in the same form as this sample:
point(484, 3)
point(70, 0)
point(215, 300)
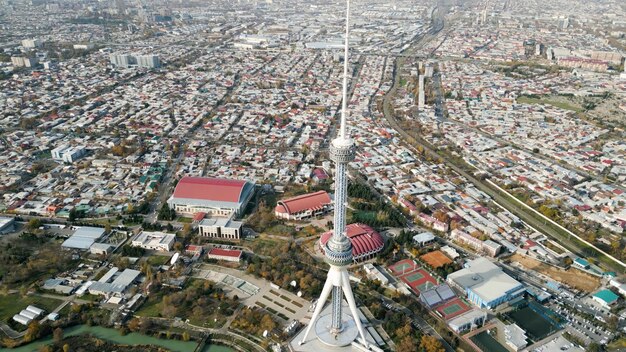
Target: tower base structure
point(347, 340)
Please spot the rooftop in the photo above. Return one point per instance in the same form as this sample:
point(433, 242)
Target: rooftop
point(316, 200)
point(364, 239)
point(485, 279)
point(607, 296)
point(225, 252)
point(213, 189)
point(83, 237)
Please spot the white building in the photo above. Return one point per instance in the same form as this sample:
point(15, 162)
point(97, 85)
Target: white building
point(128, 60)
point(450, 252)
point(157, 241)
point(68, 154)
point(114, 283)
point(83, 46)
point(424, 239)
point(148, 61)
point(83, 238)
point(31, 43)
point(485, 284)
point(19, 61)
point(120, 60)
point(515, 337)
point(375, 274)
point(22, 319)
point(468, 321)
point(100, 248)
point(220, 228)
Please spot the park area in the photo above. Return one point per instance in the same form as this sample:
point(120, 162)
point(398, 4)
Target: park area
point(571, 277)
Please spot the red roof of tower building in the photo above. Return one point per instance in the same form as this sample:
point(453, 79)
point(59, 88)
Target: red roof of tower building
point(303, 202)
point(215, 189)
point(364, 239)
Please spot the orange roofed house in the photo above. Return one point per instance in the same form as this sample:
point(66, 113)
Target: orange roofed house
point(304, 206)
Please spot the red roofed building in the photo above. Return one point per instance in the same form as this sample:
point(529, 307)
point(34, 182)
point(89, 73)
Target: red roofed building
point(224, 254)
point(366, 242)
point(212, 196)
point(304, 206)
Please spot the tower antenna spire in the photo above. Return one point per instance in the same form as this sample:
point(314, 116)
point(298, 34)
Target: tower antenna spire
point(344, 95)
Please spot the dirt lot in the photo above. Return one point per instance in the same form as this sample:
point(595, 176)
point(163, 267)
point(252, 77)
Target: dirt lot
point(572, 277)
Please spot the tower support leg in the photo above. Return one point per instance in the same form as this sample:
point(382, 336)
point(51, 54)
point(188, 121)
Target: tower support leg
point(320, 304)
point(347, 291)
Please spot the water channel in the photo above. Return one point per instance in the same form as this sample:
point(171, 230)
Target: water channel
point(114, 336)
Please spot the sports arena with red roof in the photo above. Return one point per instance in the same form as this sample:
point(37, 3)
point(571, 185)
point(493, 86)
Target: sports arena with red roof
point(213, 196)
point(303, 206)
point(366, 242)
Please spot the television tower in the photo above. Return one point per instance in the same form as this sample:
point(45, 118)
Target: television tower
point(338, 328)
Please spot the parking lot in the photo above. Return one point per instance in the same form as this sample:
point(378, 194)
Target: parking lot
point(589, 331)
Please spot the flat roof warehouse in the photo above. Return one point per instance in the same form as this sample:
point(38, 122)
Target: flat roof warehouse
point(83, 238)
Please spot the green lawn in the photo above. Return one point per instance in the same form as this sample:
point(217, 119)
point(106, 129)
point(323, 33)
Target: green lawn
point(546, 100)
point(281, 230)
point(156, 260)
point(13, 304)
point(104, 221)
point(185, 220)
point(150, 308)
point(90, 297)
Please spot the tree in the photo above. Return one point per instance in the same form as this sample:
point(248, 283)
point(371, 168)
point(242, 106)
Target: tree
point(134, 324)
point(165, 213)
point(72, 215)
point(34, 224)
point(267, 323)
point(122, 262)
point(407, 344)
point(66, 348)
point(431, 344)
point(186, 336)
point(57, 336)
point(594, 347)
point(32, 333)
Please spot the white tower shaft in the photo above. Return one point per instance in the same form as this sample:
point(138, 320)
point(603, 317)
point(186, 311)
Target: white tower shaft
point(338, 249)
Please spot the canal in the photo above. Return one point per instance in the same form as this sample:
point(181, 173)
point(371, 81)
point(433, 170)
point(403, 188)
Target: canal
point(114, 336)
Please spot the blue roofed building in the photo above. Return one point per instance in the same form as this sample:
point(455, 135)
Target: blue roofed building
point(581, 264)
point(606, 298)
